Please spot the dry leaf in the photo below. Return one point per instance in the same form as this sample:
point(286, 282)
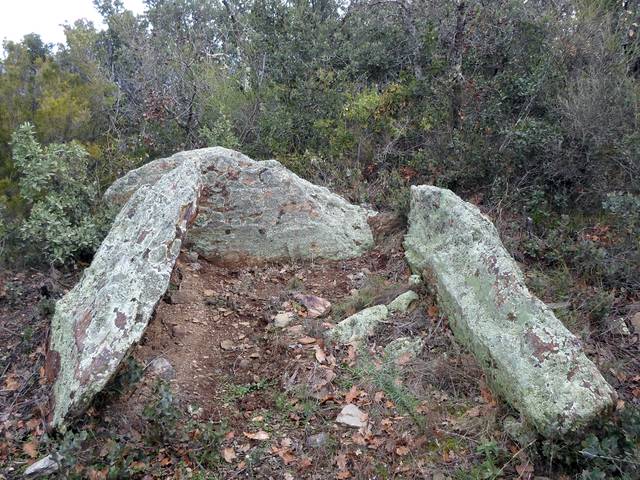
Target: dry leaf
point(306, 340)
point(321, 357)
point(259, 435)
point(342, 474)
point(351, 355)
point(31, 448)
point(351, 395)
point(11, 383)
point(402, 451)
point(524, 468)
point(316, 306)
point(228, 454)
point(341, 461)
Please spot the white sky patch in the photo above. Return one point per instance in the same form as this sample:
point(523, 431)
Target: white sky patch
point(46, 17)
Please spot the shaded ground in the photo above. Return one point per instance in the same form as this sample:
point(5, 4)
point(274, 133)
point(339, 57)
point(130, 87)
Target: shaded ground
point(244, 399)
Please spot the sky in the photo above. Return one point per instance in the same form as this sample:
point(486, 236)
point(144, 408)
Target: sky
point(45, 17)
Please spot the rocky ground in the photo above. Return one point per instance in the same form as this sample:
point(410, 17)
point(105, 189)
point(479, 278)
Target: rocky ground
point(234, 378)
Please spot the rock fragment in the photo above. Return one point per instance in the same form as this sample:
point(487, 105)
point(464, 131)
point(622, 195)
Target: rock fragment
point(160, 367)
point(352, 416)
point(318, 440)
point(529, 357)
point(402, 302)
point(404, 348)
point(45, 466)
point(359, 326)
point(283, 319)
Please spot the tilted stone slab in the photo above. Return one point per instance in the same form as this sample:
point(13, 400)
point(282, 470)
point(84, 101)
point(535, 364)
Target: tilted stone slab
point(251, 211)
point(529, 357)
point(97, 322)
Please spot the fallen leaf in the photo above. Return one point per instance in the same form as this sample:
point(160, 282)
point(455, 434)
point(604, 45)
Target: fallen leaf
point(102, 474)
point(31, 448)
point(351, 395)
point(316, 306)
point(306, 340)
point(259, 435)
point(342, 474)
point(321, 357)
point(229, 454)
point(11, 383)
point(341, 461)
point(524, 468)
point(402, 451)
point(487, 396)
point(351, 355)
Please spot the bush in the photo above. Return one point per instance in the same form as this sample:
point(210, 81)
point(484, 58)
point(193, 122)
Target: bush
point(63, 219)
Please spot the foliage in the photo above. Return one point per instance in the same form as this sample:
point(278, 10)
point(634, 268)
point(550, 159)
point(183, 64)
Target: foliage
point(611, 451)
point(63, 220)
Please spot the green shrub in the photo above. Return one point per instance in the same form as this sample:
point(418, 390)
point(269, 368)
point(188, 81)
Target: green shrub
point(220, 133)
point(63, 219)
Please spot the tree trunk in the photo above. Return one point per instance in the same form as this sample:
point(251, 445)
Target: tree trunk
point(458, 78)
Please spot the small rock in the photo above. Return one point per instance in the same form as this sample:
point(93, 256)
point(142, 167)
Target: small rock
point(244, 364)
point(318, 440)
point(619, 327)
point(161, 367)
point(360, 325)
point(352, 416)
point(178, 330)
point(208, 293)
point(227, 345)
point(404, 348)
point(192, 256)
point(316, 306)
point(415, 280)
point(519, 431)
point(283, 319)
point(635, 322)
point(44, 466)
point(402, 302)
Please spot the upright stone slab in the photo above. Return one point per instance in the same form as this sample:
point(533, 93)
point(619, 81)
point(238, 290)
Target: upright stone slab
point(251, 211)
point(96, 323)
point(529, 357)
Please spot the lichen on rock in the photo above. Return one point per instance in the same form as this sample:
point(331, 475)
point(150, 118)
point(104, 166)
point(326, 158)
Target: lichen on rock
point(359, 326)
point(529, 357)
point(97, 322)
point(255, 211)
point(402, 302)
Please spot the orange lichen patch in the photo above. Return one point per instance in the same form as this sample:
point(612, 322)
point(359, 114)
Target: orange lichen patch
point(80, 329)
point(121, 320)
point(541, 349)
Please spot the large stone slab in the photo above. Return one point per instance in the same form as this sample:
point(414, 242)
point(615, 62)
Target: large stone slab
point(251, 211)
point(529, 357)
point(97, 322)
